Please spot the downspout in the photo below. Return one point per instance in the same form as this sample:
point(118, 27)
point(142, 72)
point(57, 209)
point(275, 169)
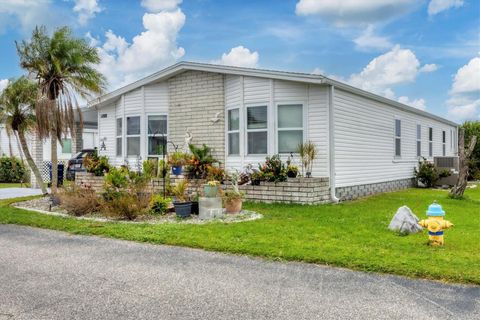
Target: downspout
point(331, 143)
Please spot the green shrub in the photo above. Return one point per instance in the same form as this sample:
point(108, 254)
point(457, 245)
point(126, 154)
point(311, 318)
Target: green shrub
point(159, 204)
point(12, 169)
point(428, 174)
point(96, 165)
point(273, 170)
point(126, 205)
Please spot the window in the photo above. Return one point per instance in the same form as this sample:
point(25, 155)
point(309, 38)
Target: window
point(257, 130)
point(66, 145)
point(451, 140)
point(233, 132)
point(444, 143)
point(119, 137)
point(290, 127)
point(157, 134)
point(398, 138)
point(133, 136)
point(430, 142)
point(419, 140)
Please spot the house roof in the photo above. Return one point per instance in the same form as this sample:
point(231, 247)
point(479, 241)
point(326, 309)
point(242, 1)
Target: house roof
point(252, 72)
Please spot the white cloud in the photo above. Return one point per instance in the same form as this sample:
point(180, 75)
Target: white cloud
point(239, 57)
point(3, 84)
point(154, 48)
point(397, 66)
point(368, 40)
point(464, 102)
point(318, 71)
point(430, 67)
point(348, 12)
point(467, 78)
point(160, 5)
point(86, 10)
point(437, 6)
point(416, 103)
point(26, 14)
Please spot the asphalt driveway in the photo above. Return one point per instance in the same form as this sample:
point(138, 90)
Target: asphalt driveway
point(53, 275)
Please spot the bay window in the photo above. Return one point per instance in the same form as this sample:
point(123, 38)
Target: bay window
point(133, 136)
point(257, 130)
point(157, 134)
point(290, 127)
point(233, 131)
point(119, 137)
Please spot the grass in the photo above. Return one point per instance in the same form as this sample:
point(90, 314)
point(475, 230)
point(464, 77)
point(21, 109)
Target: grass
point(12, 185)
point(352, 234)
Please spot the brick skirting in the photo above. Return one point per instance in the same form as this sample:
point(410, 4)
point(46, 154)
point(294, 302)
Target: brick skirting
point(358, 191)
point(294, 190)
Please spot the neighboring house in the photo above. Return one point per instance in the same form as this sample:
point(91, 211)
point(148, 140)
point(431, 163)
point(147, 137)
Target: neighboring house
point(364, 141)
point(40, 150)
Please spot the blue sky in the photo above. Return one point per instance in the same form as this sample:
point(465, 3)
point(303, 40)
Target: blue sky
point(423, 53)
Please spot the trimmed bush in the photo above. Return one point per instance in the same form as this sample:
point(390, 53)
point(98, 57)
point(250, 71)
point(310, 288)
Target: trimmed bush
point(12, 170)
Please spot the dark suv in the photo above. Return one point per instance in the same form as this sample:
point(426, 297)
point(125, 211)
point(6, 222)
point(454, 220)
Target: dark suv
point(75, 164)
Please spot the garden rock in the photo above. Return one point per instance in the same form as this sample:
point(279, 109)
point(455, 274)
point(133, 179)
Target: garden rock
point(405, 221)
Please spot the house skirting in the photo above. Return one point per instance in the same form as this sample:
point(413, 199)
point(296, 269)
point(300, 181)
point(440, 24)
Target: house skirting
point(358, 191)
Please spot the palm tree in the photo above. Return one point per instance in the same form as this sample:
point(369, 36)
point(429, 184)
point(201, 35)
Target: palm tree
point(64, 67)
point(17, 112)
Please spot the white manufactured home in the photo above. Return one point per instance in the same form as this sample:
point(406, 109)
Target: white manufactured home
point(366, 143)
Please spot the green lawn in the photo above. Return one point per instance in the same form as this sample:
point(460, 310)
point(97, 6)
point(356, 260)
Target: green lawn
point(352, 234)
point(12, 185)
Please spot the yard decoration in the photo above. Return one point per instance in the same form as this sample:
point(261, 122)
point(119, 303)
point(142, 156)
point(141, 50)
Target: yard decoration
point(211, 189)
point(435, 224)
point(405, 222)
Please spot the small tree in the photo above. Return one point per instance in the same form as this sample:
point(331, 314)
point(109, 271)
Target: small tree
point(464, 155)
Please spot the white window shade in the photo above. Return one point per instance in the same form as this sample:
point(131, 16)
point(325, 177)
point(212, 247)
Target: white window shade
point(290, 116)
point(257, 117)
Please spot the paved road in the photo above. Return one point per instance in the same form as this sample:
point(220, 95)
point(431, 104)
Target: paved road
point(7, 193)
point(52, 275)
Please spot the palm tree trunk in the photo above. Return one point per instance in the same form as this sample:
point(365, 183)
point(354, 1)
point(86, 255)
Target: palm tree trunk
point(54, 158)
point(31, 163)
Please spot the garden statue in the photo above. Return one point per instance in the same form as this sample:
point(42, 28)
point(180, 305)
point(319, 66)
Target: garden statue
point(405, 222)
point(188, 141)
point(435, 224)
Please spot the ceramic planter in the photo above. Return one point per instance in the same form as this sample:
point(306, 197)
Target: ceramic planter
point(210, 191)
point(183, 209)
point(233, 206)
point(177, 170)
point(291, 174)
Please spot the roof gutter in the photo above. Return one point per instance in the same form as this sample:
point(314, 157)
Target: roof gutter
point(331, 143)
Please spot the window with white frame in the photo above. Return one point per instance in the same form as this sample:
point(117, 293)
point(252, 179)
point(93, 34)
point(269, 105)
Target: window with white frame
point(66, 145)
point(444, 143)
point(398, 138)
point(233, 131)
point(257, 130)
point(430, 142)
point(419, 140)
point(290, 127)
point(133, 136)
point(157, 134)
point(451, 140)
point(119, 137)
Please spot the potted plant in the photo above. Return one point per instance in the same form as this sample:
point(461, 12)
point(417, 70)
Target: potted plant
point(233, 199)
point(256, 177)
point(292, 171)
point(211, 188)
point(308, 153)
point(177, 161)
point(183, 207)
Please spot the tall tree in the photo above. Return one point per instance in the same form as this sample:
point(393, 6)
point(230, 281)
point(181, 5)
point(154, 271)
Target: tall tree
point(17, 104)
point(64, 67)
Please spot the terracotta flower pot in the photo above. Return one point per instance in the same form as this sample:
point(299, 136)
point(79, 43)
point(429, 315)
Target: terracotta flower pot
point(233, 206)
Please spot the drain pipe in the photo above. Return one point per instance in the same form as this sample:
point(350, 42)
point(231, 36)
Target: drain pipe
point(331, 143)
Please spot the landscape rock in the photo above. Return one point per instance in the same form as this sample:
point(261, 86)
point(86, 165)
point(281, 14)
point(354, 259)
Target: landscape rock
point(405, 221)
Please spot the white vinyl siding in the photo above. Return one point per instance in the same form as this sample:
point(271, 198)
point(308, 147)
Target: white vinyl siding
point(363, 140)
point(106, 131)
